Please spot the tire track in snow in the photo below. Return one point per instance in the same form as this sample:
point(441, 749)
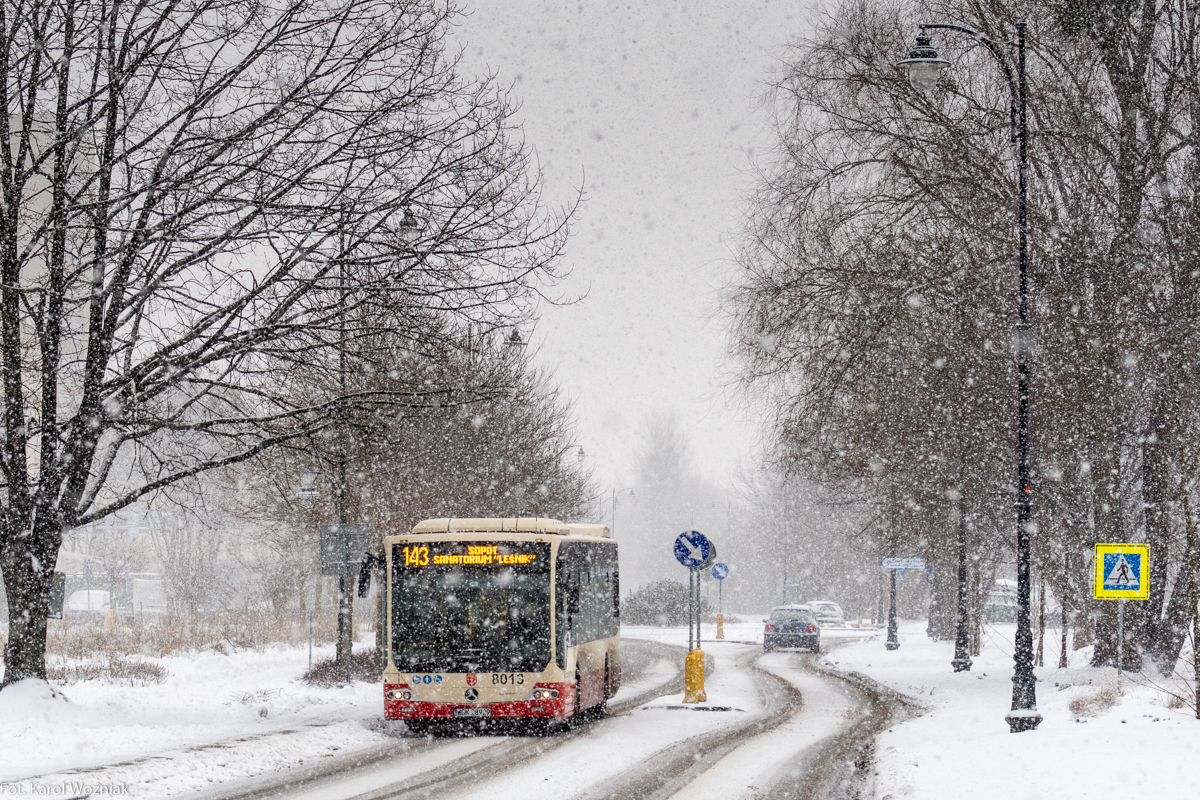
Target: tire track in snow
point(841, 766)
point(346, 777)
point(667, 771)
point(452, 780)
point(823, 751)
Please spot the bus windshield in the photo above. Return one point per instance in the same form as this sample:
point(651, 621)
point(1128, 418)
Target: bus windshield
point(471, 607)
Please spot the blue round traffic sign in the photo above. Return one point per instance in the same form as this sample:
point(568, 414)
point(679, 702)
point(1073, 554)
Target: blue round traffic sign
point(692, 548)
point(720, 571)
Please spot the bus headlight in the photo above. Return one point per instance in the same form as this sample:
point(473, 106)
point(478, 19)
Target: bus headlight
point(399, 694)
point(542, 693)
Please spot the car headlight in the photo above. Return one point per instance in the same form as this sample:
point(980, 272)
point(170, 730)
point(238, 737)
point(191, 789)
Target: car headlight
point(399, 693)
point(542, 693)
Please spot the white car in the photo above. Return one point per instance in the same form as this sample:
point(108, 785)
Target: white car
point(86, 602)
point(827, 612)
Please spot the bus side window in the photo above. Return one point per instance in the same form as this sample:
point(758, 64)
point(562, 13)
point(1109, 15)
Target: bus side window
point(573, 604)
point(615, 589)
point(588, 594)
point(561, 616)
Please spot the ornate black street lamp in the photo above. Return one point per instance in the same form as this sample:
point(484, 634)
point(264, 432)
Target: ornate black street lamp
point(893, 638)
point(962, 656)
point(923, 68)
point(407, 230)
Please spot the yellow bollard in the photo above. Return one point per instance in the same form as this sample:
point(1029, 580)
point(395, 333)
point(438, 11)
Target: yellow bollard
point(110, 619)
point(693, 678)
point(720, 626)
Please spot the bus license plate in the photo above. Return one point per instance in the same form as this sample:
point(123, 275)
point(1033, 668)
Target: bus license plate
point(472, 712)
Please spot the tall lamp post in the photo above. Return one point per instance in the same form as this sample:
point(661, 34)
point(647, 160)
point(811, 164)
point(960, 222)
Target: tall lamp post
point(962, 651)
point(407, 229)
point(612, 528)
point(924, 68)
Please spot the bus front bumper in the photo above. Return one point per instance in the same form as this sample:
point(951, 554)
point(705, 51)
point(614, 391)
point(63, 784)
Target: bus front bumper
point(559, 707)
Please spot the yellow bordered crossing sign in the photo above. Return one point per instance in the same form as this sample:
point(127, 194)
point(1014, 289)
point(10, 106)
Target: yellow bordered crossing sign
point(1122, 572)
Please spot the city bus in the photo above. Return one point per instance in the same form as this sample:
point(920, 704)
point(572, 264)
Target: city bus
point(513, 619)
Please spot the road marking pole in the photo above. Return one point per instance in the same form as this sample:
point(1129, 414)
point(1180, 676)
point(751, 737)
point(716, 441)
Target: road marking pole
point(694, 551)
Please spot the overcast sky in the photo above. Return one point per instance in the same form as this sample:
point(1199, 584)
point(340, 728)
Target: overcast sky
point(654, 108)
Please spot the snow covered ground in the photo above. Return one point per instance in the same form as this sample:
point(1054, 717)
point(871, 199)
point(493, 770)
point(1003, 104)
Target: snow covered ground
point(217, 720)
point(231, 720)
point(217, 717)
point(962, 746)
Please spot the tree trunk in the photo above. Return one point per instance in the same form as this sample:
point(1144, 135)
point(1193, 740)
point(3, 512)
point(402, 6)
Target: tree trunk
point(27, 582)
point(1110, 528)
point(1041, 640)
point(1159, 627)
point(1172, 630)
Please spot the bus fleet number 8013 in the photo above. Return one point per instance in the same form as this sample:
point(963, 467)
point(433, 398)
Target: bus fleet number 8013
point(501, 619)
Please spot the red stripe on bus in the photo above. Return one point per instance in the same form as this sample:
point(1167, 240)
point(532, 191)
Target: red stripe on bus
point(560, 706)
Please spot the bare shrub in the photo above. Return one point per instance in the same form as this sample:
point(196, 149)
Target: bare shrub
point(224, 632)
point(119, 670)
point(365, 665)
point(1091, 701)
point(250, 698)
point(1180, 689)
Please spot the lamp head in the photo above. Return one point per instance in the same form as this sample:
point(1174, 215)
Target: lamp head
point(408, 228)
point(923, 66)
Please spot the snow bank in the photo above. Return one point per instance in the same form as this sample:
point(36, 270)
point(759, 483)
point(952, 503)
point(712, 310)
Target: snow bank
point(203, 724)
point(963, 748)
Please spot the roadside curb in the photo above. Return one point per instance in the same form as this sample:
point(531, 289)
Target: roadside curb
point(868, 684)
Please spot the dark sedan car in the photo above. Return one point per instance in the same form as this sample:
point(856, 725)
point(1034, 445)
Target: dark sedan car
point(792, 626)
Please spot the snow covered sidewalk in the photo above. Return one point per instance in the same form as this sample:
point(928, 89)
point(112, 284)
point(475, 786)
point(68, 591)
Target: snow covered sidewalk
point(962, 747)
point(216, 718)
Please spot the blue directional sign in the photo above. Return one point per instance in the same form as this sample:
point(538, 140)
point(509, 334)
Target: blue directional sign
point(720, 571)
point(902, 563)
point(692, 548)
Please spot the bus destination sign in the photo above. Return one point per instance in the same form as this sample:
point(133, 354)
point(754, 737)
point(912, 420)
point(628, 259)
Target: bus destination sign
point(458, 554)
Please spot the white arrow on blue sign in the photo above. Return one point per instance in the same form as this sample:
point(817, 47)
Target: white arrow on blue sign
point(692, 548)
point(720, 571)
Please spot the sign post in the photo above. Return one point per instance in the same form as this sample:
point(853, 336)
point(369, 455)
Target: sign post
point(343, 547)
point(895, 567)
point(1122, 572)
point(720, 572)
point(694, 551)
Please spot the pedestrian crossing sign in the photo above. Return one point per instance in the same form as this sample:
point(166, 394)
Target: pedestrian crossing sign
point(1122, 571)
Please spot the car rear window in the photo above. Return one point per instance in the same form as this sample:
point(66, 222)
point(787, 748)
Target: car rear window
point(790, 615)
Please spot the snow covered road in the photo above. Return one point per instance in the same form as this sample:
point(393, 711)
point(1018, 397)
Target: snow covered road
point(429, 767)
point(775, 725)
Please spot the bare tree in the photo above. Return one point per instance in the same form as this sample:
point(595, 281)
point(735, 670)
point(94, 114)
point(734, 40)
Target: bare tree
point(504, 449)
point(195, 197)
point(877, 298)
point(118, 550)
